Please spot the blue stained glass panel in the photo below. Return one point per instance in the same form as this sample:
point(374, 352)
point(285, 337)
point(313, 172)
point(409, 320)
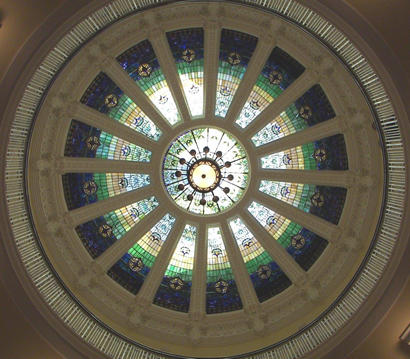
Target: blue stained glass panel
point(141, 63)
point(308, 110)
point(187, 47)
point(107, 185)
point(266, 276)
point(174, 291)
point(236, 49)
point(323, 201)
point(99, 234)
point(105, 96)
point(325, 154)
point(87, 141)
point(303, 245)
point(278, 73)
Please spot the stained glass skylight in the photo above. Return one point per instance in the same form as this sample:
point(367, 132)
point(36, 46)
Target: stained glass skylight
point(221, 291)
point(205, 170)
point(187, 47)
point(142, 65)
point(105, 96)
point(236, 49)
point(99, 234)
point(278, 73)
point(133, 267)
point(308, 110)
point(175, 289)
point(323, 201)
point(266, 276)
point(326, 154)
point(81, 189)
point(87, 141)
point(303, 245)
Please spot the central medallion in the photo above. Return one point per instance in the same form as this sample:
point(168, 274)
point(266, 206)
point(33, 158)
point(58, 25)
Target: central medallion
point(204, 175)
point(205, 170)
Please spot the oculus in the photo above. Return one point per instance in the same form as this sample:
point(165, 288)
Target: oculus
point(205, 171)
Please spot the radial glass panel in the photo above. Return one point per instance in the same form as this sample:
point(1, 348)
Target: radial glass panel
point(87, 141)
point(221, 290)
point(175, 289)
point(142, 65)
point(187, 47)
point(81, 189)
point(326, 154)
point(205, 170)
point(266, 276)
point(133, 267)
point(105, 96)
point(323, 201)
point(310, 109)
point(303, 245)
point(99, 234)
point(278, 73)
point(236, 50)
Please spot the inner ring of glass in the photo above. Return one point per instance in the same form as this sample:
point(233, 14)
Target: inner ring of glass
point(205, 170)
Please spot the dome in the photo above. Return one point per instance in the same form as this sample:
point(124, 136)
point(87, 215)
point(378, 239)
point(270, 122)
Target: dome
point(205, 179)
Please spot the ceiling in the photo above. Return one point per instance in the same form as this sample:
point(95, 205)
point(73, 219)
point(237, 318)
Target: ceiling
point(18, 22)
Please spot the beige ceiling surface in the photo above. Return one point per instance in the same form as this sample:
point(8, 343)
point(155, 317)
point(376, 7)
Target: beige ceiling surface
point(21, 17)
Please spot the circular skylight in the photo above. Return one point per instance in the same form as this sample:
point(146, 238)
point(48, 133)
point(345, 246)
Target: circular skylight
point(204, 188)
point(205, 170)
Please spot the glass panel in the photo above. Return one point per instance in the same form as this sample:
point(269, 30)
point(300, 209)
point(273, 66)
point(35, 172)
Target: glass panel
point(304, 246)
point(235, 52)
point(142, 65)
point(310, 109)
point(278, 73)
point(187, 46)
point(99, 234)
point(87, 141)
point(81, 189)
point(266, 276)
point(105, 96)
point(323, 201)
point(221, 291)
point(175, 289)
point(326, 154)
point(132, 269)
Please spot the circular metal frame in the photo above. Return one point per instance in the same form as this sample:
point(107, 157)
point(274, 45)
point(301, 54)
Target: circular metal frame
point(216, 170)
